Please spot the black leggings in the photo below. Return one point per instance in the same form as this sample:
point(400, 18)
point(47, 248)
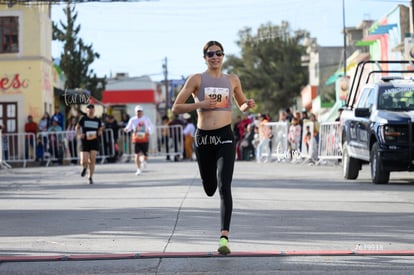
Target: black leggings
point(216, 152)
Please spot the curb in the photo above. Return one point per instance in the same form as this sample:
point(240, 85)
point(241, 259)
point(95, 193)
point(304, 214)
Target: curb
point(151, 255)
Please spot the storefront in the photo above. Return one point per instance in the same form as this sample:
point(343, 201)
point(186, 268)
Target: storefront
point(26, 74)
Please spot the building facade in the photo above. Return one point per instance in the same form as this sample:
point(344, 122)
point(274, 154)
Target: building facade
point(26, 68)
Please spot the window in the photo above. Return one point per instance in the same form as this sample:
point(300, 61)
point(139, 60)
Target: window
point(9, 33)
point(363, 99)
point(370, 99)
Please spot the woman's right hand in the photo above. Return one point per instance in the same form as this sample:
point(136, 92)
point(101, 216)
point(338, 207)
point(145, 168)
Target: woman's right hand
point(209, 103)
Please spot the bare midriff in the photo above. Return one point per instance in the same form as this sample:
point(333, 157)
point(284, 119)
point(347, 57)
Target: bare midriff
point(211, 120)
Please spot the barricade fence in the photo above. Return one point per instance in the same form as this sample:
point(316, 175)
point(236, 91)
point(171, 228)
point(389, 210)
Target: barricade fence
point(64, 146)
point(3, 164)
point(165, 141)
point(279, 141)
point(330, 142)
point(324, 145)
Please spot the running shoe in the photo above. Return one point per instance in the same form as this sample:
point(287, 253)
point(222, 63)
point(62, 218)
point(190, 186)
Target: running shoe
point(90, 181)
point(138, 172)
point(144, 164)
point(83, 173)
point(224, 248)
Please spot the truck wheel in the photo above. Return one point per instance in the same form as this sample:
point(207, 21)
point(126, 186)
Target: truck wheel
point(378, 174)
point(350, 165)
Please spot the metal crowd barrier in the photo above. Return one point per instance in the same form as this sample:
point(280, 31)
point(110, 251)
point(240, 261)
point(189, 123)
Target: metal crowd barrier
point(330, 141)
point(279, 141)
point(166, 141)
point(63, 147)
point(329, 145)
point(18, 147)
point(170, 141)
point(3, 140)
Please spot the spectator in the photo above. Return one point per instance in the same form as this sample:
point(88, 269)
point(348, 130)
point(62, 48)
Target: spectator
point(56, 147)
point(188, 133)
point(246, 146)
point(164, 138)
point(59, 116)
point(268, 118)
point(236, 131)
point(175, 134)
point(71, 137)
point(305, 116)
point(40, 150)
point(289, 115)
point(242, 128)
point(299, 119)
point(43, 126)
point(315, 137)
point(294, 136)
point(111, 140)
point(264, 136)
point(125, 137)
point(30, 128)
point(283, 117)
point(5, 143)
point(338, 118)
point(307, 138)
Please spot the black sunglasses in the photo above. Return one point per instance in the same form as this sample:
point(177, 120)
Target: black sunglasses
point(211, 54)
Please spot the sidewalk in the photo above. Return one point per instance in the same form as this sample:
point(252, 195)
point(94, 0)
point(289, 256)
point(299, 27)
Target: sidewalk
point(286, 217)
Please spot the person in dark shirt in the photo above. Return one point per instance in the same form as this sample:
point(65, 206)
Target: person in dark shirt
point(246, 145)
point(176, 135)
point(90, 129)
point(111, 141)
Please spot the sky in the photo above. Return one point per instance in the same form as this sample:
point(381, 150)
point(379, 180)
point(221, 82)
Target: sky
point(139, 37)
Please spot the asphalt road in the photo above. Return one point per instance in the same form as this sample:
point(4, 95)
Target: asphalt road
point(287, 218)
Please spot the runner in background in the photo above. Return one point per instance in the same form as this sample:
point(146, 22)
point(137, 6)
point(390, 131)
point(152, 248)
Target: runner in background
point(90, 129)
point(141, 128)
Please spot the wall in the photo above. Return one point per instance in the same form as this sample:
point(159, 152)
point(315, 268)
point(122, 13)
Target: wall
point(28, 73)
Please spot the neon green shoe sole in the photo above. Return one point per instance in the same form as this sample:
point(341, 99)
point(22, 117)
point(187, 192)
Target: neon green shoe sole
point(224, 248)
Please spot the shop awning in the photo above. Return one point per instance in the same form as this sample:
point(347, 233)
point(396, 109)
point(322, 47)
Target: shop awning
point(382, 29)
point(375, 34)
point(128, 96)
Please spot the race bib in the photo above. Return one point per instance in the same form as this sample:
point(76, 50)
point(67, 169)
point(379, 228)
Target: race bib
point(139, 137)
point(90, 135)
point(220, 94)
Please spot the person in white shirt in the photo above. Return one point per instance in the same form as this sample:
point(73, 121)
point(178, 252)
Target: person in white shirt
point(264, 137)
point(141, 128)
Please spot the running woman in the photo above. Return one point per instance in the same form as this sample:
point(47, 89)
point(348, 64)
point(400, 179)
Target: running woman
point(213, 93)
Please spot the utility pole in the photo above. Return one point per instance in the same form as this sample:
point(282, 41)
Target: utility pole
point(167, 97)
point(412, 17)
point(343, 22)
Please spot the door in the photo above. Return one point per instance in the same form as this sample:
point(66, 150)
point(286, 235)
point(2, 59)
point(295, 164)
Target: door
point(363, 124)
point(8, 120)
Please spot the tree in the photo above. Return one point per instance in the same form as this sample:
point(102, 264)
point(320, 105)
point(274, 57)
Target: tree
point(77, 56)
point(270, 66)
